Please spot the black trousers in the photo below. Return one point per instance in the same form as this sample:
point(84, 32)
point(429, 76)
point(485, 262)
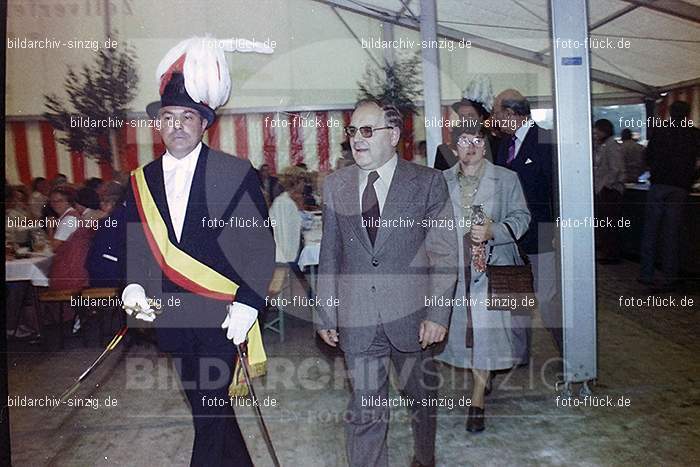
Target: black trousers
point(609, 206)
point(204, 360)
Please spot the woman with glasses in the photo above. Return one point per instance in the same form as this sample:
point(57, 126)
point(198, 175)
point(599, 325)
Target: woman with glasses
point(487, 201)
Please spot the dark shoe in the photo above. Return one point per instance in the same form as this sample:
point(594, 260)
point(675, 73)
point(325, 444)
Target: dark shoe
point(415, 463)
point(475, 420)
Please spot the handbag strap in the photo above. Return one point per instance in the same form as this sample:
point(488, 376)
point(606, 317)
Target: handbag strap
point(522, 254)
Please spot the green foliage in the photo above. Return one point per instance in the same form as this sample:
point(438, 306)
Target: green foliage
point(99, 92)
point(397, 83)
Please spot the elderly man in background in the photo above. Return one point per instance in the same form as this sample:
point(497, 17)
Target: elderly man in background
point(378, 281)
point(530, 151)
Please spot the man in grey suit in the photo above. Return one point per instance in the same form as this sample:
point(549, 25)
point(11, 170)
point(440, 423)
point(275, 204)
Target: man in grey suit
point(387, 272)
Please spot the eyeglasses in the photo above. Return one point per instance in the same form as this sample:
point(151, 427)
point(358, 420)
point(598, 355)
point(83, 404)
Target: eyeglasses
point(365, 131)
point(478, 142)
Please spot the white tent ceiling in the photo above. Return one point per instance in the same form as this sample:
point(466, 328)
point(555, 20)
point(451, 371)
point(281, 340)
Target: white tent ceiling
point(663, 35)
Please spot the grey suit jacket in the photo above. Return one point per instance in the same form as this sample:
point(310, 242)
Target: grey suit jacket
point(414, 257)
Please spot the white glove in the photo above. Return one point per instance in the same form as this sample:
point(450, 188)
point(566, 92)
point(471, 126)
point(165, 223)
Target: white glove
point(136, 304)
point(239, 320)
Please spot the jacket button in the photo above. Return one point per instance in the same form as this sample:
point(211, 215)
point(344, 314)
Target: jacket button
point(375, 262)
point(373, 289)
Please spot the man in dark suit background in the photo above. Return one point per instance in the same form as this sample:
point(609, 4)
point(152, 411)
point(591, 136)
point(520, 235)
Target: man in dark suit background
point(673, 155)
point(381, 279)
point(530, 151)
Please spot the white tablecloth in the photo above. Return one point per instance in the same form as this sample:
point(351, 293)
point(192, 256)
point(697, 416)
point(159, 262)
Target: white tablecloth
point(34, 269)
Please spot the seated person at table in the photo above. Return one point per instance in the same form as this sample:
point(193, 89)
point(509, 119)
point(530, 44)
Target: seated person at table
point(87, 202)
point(105, 260)
point(16, 213)
point(68, 271)
point(62, 201)
point(285, 216)
point(39, 199)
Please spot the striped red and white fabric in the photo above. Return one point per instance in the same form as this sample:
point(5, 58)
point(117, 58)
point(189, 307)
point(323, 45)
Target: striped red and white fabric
point(279, 139)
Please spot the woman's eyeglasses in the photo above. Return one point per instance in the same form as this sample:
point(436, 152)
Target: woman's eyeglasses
point(365, 131)
point(478, 142)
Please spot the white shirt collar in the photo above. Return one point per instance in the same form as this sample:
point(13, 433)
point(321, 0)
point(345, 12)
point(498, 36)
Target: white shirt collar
point(189, 162)
point(521, 132)
point(386, 171)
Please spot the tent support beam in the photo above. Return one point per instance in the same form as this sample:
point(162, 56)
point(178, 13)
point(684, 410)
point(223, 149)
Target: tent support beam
point(489, 44)
point(431, 78)
point(676, 8)
point(569, 21)
point(347, 26)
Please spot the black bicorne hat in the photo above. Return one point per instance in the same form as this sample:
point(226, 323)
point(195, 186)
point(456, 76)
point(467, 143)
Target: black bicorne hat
point(175, 94)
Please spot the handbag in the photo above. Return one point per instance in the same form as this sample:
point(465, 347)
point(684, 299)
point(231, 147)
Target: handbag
point(511, 287)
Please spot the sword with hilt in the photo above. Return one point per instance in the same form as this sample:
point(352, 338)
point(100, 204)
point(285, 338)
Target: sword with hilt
point(136, 309)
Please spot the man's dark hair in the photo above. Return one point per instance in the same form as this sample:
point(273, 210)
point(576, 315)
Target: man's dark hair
point(392, 115)
point(93, 182)
point(36, 182)
point(88, 197)
point(67, 191)
point(626, 134)
point(605, 126)
point(519, 106)
point(679, 110)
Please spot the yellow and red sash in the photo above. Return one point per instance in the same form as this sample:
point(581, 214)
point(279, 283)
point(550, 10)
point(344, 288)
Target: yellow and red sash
point(191, 274)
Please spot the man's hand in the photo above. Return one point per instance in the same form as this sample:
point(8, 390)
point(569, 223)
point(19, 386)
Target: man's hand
point(482, 233)
point(136, 304)
point(431, 333)
point(238, 321)
point(329, 336)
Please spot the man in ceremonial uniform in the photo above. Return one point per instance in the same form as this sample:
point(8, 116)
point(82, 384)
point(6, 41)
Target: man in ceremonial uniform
point(184, 251)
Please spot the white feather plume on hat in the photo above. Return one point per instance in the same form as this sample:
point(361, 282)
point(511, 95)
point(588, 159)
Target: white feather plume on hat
point(202, 62)
point(480, 90)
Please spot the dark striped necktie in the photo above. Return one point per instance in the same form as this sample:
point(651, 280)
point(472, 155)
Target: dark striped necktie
point(370, 207)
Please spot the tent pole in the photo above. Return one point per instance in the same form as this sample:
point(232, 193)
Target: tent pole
point(572, 91)
point(431, 78)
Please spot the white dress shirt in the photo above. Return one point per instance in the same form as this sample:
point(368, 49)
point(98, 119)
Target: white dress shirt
point(286, 228)
point(381, 186)
point(520, 135)
point(177, 175)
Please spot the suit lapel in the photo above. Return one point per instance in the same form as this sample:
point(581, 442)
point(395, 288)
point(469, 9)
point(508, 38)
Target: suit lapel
point(156, 185)
point(525, 148)
point(455, 195)
point(486, 193)
point(348, 205)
